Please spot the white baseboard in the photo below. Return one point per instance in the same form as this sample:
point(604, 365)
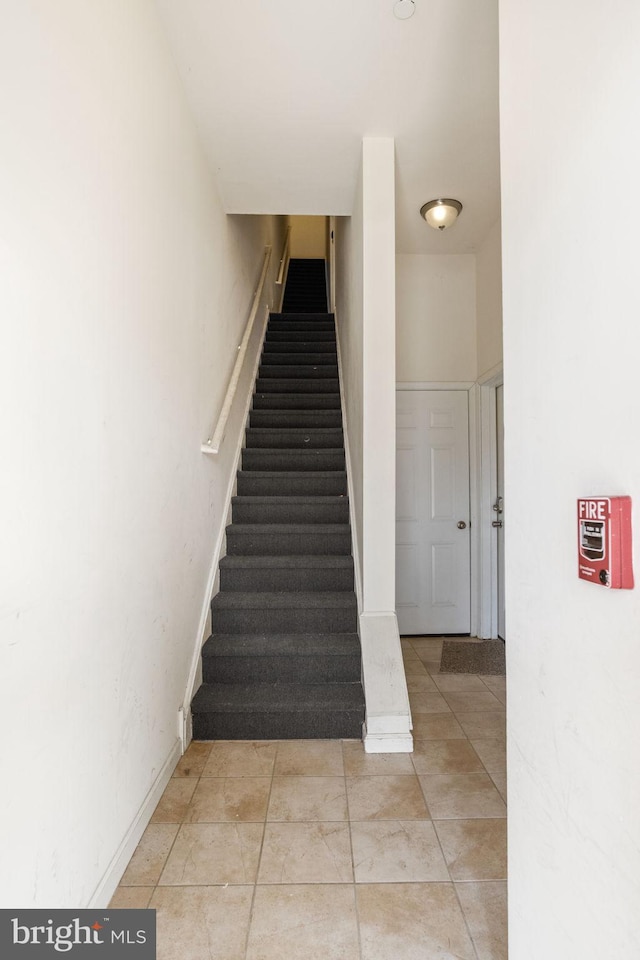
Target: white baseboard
point(387, 742)
point(107, 886)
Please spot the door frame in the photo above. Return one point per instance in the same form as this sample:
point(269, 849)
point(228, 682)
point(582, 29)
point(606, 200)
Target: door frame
point(486, 490)
point(474, 499)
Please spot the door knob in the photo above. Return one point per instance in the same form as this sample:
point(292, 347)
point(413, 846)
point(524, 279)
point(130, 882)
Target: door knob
point(496, 523)
point(462, 525)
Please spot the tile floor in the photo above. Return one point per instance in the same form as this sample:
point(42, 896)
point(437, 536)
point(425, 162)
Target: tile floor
point(314, 849)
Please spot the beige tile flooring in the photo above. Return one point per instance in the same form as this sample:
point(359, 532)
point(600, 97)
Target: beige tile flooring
point(314, 849)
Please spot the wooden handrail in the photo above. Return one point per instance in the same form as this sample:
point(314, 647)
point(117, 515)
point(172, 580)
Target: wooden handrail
point(213, 444)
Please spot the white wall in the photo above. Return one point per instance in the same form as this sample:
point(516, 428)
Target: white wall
point(489, 301)
point(365, 279)
point(124, 293)
point(308, 237)
point(435, 318)
point(571, 193)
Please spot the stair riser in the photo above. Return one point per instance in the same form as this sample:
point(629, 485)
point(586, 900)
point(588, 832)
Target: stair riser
point(288, 419)
point(299, 315)
point(265, 579)
point(315, 669)
point(302, 347)
point(297, 460)
point(276, 338)
point(249, 485)
point(321, 543)
point(309, 359)
point(276, 371)
point(337, 512)
point(296, 401)
point(316, 725)
point(284, 620)
point(310, 439)
point(288, 326)
point(294, 302)
point(297, 385)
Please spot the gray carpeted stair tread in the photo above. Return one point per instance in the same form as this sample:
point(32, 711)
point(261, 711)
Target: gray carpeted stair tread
point(288, 539)
point(298, 371)
point(303, 572)
point(310, 561)
point(284, 419)
point(294, 500)
point(266, 697)
point(290, 323)
point(273, 511)
point(264, 645)
point(283, 600)
point(290, 337)
point(300, 483)
point(291, 348)
point(301, 315)
point(282, 657)
point(290, 437)
point(296, 401)
point(316, 458)
point(286, 359)
point(278, 509)
point(297, 385)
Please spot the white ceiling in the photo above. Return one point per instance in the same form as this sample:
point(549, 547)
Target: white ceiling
point(284, 92)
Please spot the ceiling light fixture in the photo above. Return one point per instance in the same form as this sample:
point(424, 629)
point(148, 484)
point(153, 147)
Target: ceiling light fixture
point(403, 9)
point(440, 214)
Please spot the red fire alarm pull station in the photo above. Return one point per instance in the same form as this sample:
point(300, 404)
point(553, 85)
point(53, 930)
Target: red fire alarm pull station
point(604, 542)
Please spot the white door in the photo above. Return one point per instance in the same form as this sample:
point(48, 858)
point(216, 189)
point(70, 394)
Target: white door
point(499, 505)
point(433, 588)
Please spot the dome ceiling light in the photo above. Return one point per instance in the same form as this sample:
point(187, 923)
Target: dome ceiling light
point(403, 9)
point(441, 214)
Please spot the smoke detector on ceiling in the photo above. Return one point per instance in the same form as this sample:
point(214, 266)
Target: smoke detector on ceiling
point(403, 9)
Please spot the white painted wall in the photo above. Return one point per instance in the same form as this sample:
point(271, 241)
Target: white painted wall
point(308, 237)
point(489, 301)
point(124, 294)
point(378, 389)
point(436, 317)
point(365, 279)
point(571, 193)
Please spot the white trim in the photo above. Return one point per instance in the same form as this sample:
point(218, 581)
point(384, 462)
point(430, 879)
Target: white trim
point(435, 385)
point(387, 726)
point(475, 452)
point(387, 742)
point(332, 264)
point(213, 444)
point(355, 544)
point(487, 487)
point(113, 874)
point(494, 375)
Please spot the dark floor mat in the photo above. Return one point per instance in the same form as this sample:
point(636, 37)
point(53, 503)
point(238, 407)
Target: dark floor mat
point(466, 656)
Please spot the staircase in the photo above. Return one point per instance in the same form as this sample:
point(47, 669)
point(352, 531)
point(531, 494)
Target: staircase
point(284, 659)
point(306, 290)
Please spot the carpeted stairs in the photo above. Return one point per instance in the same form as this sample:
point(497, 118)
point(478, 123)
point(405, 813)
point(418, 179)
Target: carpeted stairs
point(284, 658)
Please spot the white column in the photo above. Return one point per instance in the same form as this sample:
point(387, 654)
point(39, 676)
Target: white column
point(388, 720)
